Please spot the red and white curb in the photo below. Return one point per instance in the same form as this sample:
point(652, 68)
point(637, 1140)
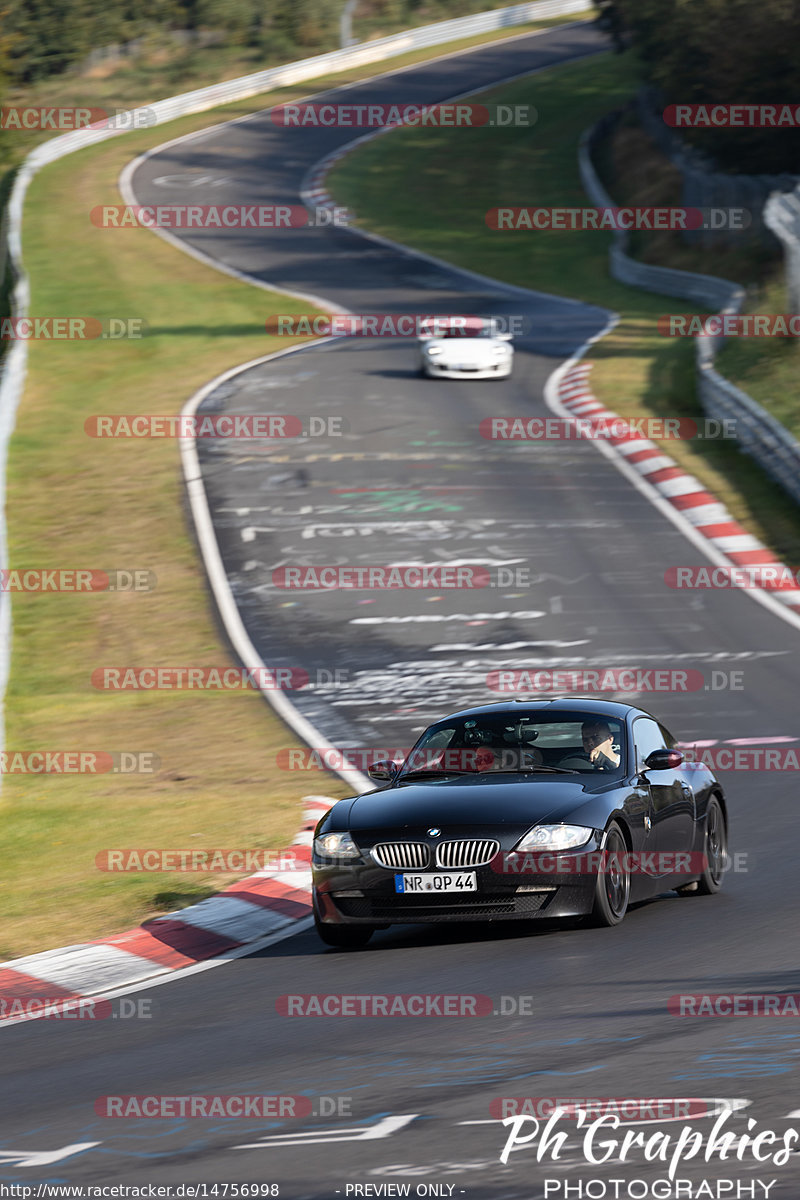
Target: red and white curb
point(247, 911)
point(686, 494)
point(314, 190)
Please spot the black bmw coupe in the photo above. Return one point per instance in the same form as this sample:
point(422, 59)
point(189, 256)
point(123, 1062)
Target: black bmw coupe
point(564, 807)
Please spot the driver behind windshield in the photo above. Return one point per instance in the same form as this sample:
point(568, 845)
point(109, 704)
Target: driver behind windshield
point(598, 744)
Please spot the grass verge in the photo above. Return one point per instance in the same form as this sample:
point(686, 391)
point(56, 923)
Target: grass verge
point(767, 369)
point(75, 501)
point(431, 189)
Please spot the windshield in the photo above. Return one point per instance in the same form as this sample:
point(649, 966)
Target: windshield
point(485, 331)
point(520, 742)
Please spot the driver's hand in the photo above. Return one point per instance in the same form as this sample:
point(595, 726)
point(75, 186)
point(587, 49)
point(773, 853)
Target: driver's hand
point(606, 748)
point(484, 759)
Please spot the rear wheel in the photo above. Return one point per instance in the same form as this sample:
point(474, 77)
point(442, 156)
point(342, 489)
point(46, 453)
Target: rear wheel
point(613, 881)
point(715, 849)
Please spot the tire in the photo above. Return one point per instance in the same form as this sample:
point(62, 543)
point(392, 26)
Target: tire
point(715, 849)
point(343, 937)
point(613, 884)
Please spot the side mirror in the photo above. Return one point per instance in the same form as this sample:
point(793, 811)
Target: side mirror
point(383, 771)
point(663, 760)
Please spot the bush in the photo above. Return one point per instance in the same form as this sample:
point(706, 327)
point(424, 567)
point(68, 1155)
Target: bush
point(721, 52)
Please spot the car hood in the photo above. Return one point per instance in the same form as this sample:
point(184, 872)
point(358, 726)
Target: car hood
point(513, 801)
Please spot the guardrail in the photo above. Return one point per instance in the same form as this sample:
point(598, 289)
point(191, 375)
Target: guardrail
point(782, 216)
point(201, 100)
point(758, 433)
point(4, 265)
point(720, 294)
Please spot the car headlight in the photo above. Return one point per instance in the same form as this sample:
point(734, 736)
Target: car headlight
point(555, 837)
point(501, 351)
point(434, 351)
point(336, 845)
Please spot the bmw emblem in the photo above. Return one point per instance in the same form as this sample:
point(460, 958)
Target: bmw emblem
point(434, 832)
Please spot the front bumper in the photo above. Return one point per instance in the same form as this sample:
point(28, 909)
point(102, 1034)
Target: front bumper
point(500, 370)
point(366, 896)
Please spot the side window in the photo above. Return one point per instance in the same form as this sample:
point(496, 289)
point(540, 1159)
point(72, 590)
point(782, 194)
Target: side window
point(669, 740)
point(647, 736)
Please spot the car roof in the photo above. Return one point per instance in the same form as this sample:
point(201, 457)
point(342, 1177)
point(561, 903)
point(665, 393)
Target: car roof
point(587, 704)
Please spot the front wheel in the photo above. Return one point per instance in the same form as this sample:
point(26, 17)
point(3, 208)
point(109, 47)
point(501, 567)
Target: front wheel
point(343, 937)
point(613, 881)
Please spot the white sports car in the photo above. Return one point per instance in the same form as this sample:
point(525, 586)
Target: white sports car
point(472, 353)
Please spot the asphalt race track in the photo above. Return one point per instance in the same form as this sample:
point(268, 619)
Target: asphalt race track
point(409, 471)
point(577, 1013)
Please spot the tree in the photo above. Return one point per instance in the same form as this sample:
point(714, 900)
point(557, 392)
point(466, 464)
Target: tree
point(723, 52)
point(611, 19)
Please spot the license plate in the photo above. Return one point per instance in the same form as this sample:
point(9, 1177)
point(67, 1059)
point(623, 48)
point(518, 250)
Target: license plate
point(437, 881)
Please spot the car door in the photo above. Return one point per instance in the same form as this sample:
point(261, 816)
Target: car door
point(672, 798)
